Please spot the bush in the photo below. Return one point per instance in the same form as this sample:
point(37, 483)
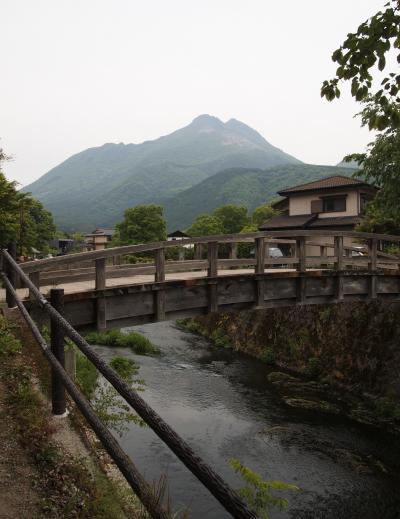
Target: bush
point(313, 368)
point(268, 356)
point(86, 375)
point(259, 494)
point(134, 340)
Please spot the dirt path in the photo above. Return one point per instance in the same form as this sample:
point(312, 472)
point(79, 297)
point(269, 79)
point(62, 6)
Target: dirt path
point(18, 498)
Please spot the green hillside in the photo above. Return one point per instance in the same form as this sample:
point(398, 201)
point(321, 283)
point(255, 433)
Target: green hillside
point(93, 188)
point(248, 187)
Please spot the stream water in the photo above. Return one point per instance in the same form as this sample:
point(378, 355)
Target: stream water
point(220, 402)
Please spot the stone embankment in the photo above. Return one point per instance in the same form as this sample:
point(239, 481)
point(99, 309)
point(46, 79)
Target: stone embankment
point(339, 359)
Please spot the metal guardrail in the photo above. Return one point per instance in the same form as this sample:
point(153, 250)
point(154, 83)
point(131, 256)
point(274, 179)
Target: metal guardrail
point(61, 328)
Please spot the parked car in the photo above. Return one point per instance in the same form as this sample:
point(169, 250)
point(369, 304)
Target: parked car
point(275, 252)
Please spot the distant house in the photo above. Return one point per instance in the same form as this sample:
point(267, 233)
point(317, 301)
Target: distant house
point(98, 239)
point(335, 203)
point(177, 235)
point(62, 245)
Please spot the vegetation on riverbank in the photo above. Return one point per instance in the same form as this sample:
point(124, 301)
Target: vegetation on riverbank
point(134, 340)
point(217, 336)
point(69, 487)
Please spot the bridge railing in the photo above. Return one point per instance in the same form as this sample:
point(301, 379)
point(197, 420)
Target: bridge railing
point(303, 249)
point(61, 328)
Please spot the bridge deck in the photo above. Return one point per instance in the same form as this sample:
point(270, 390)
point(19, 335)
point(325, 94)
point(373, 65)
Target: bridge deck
point(138, 279)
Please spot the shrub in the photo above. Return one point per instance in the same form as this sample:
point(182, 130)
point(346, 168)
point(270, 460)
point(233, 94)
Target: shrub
point(313, 368)
point(268, 356)
point(258, 493)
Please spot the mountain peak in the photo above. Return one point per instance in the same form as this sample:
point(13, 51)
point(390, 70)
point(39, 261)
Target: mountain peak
point(206, 121)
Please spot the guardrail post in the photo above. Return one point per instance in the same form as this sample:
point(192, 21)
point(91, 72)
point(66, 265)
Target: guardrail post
point(213, 272)
point(100, 284)
point(338, 244)
point(11, 274)
point(198, 251)
point(35, 278)
point(301, 267)
point(159, 277)
point(58, 402)
point(372, 266)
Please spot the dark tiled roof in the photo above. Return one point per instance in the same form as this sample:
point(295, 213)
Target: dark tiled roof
point(106, 232)
point(178, 233)
point(287, 222)
point(326, 183)
point(335, 221)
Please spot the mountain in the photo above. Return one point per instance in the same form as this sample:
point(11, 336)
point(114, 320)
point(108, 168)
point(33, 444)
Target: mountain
point(94, 187)
point(349, 165)
point(248, 187)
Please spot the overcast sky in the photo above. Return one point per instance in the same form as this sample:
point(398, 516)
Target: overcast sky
point(79, 73)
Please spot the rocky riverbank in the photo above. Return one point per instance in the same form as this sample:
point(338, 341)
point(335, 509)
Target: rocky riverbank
point(339, 359)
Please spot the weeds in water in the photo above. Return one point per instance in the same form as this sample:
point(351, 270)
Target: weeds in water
point(134, 340)
point(190, 325)
point(258, 493)
point(220, 339)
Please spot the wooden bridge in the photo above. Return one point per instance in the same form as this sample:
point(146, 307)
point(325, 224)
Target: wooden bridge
point(102, 289)
point(341, 271)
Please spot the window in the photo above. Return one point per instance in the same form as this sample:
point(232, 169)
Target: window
point(334, 205)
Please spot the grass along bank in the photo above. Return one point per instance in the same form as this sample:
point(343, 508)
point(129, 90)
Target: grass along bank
point(69, 486)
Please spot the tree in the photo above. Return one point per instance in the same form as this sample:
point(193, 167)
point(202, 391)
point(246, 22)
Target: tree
point(22, 218)
point(262, 214)
point(36, 226)
point(356, 57)
point(141, 224)
point(232, 217)
point(358, 54)
point(206, 225)
point(382, 166)
point(8, 211)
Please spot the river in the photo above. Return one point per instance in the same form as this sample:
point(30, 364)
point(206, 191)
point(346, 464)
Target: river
point(221, 403)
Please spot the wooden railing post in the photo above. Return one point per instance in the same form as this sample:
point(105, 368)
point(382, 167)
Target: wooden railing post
point(100, 284)
point(212, 259)
point(212, 249)
point(259, 269)
point(233, 250)
point(260, 255)
point(35, 278)
point(301, 255)
point(372, 266)
point(338, 248)
point(11, 274)
point(159, 277)
point(339, 252)
point(57, 347)
point(198, 251)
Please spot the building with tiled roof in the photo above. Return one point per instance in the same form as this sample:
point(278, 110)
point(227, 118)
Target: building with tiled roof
point(334, 203)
